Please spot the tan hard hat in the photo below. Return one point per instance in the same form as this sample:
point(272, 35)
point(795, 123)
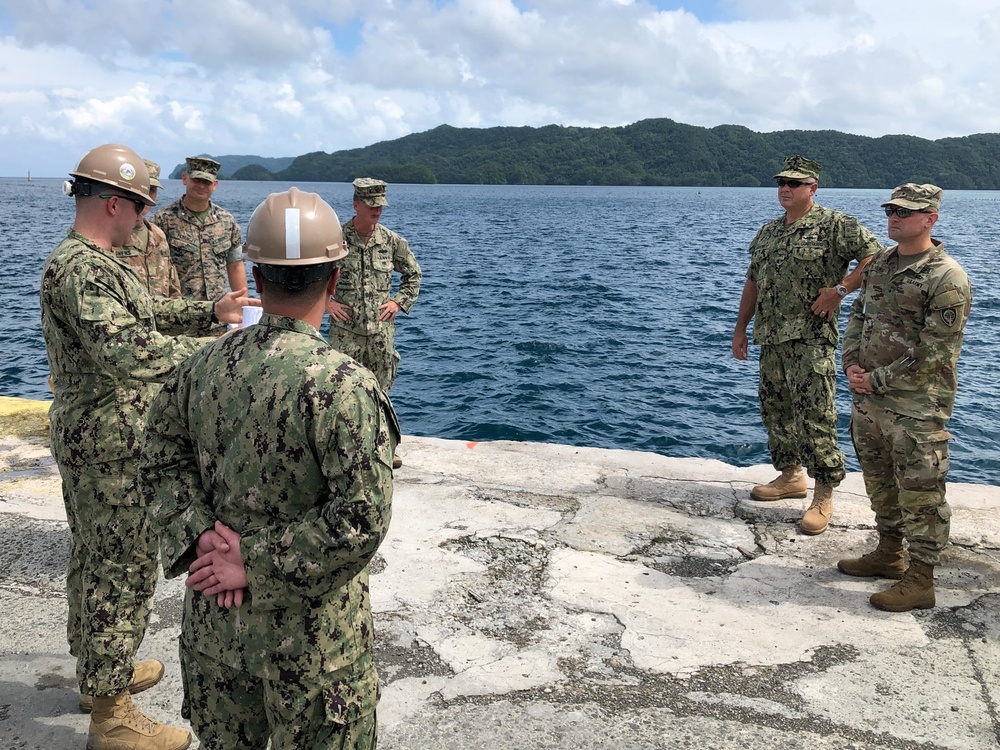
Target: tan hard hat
point(120, 166)
point(294, 229)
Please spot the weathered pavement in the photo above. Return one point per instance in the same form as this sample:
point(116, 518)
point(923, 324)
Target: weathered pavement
point(546, 596)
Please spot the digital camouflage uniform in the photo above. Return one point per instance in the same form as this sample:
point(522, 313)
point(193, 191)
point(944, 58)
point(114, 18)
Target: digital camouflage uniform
point(365, 283)
point(201, 248)
point(906, 330)
point(798, 370)
point(290, 443)
point(104, 337)
point(148, 254)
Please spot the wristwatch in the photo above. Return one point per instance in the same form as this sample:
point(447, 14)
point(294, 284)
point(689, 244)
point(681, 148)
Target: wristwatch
point(841, 290)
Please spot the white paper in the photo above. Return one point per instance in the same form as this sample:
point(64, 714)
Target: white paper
point(250, 316)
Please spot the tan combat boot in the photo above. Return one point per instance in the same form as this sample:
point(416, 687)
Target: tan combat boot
point(396, 461)
point(888, 560)
point(914, 591)
point(116, 724)
point(147, 673)
point(791, 483)
point(817, 516)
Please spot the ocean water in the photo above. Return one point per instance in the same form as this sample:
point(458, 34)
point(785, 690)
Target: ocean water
point(590, 316)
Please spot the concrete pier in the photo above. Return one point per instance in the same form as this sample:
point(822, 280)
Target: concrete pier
point(545, 596)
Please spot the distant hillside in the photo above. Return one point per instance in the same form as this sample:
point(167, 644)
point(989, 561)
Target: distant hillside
point(649, 152)
point(232, 164)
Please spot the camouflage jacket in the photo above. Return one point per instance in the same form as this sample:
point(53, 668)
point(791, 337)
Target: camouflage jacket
point(791, 264)
point(906, 330)
point(201, 248)
point(148, 254)
point(104, 337)
point(366, 277)
point(290, 443)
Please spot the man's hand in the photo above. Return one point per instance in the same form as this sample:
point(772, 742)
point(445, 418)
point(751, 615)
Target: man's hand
point(388, 310)
point(859, 380)
point(338, 311)
point(827, 304)
point(740, 344)
point(219, 570)
point(229, 309)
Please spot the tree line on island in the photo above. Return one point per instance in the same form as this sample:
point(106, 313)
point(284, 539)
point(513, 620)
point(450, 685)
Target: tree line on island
point(649, 152)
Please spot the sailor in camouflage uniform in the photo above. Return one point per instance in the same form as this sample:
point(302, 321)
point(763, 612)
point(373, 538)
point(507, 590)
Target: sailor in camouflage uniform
point(109, 347)
point(204, 238)
point(147, 251)
point(900, 354)
point(267, 464)
point(363, 312)
point(794, 287)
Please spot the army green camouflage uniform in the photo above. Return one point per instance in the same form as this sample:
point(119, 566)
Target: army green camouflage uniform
point(290, 443)
point(365, 283)
point(104, 337)
point(798, 370)
point(906, 330)
point(148, 254)
point(201, 248)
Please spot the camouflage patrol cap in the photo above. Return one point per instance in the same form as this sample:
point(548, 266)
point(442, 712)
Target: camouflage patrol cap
point(202, 168)
point(154, 173)
point(799, 168)
point(916, 197)
point(370, 191)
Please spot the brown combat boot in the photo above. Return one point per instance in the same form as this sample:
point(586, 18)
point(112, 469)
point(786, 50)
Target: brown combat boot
point(888, 560)
point(116, 724)
point(147, 673)
point(914, 591)
point(817, 517)
point(396, 461)
point(791, 483)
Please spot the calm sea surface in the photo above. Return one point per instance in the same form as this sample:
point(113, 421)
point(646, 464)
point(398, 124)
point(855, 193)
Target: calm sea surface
point(590, 316)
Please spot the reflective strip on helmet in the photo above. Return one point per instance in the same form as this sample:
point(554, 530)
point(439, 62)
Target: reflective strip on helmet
point(293, 234)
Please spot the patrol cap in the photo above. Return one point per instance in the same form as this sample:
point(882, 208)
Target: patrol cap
point(154, 173)
point(370, 191)
point(916, 197)
point(202, 168)
point(799, 168)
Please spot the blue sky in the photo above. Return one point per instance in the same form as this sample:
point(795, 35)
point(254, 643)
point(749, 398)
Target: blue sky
point(286, 77)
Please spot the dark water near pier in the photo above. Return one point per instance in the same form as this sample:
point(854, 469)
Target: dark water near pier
point(591, 316)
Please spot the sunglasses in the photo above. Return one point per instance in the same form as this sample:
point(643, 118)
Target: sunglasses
point(902, 213)
point(782, 182)
point(139, 205)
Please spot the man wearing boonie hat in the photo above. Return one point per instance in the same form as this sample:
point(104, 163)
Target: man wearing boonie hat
point(900, 354)
point(363, 310)
point(147, 251)
point(795, 283)
point(204, 239)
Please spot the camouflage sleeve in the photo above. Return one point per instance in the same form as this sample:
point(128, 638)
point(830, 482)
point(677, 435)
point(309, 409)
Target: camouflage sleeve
point(753, 270)
point(938, 344)
point(851, 344)
point(410, 273)
point(859, 241)
point(235, 245)
point(173, 283)
point(119, 341)
point(187, 317)
point(179, 509)
point(332, 543)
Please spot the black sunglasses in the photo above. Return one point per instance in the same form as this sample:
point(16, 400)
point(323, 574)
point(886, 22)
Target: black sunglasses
point(139, 205)
point(902, 213)
point(782, 182)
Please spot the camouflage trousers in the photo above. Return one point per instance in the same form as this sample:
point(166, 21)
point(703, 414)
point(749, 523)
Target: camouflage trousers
point(798, 385)
point(375, 351)
point(112, 573)
point(905, 463)
point(231, 710)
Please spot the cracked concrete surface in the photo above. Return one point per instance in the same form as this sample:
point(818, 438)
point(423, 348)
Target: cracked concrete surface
point(547, 596)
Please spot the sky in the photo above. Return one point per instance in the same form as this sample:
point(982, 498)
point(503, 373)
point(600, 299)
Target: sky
point(173, 78)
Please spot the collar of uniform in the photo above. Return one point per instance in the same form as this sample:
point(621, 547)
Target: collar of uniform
point(934, 251)
point(353, 230)
point(289, 324)
point(75, 235)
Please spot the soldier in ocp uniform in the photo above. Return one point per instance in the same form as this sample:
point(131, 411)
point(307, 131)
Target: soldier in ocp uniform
point(147, 251)
point(793, 291)
point(109, 345)
point(267, 466)
point(900, 354)
point(363, 312)
point(204, 238)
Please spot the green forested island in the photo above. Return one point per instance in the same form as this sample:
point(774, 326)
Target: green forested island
point(649, 152)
